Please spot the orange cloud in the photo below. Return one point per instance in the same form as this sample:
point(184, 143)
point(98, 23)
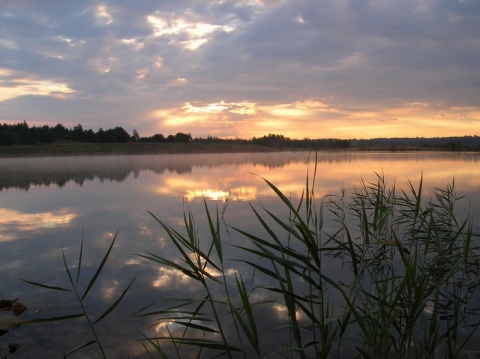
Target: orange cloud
point(29, 86)
point(318, 119)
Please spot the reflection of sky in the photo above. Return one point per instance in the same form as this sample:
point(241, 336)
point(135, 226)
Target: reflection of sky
point(332, 175)
point(12, 221)
point(116, 193)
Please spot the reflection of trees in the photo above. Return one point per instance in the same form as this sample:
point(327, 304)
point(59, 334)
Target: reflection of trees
point(24, 179)
point(25, 172)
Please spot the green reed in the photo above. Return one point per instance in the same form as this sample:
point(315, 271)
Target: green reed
point(406, 278)
point(80, 296)
point(409, 277)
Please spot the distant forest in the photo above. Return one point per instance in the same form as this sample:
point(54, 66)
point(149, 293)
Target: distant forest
point(23, 134)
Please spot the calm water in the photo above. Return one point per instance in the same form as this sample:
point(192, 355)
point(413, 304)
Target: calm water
point(50, 203)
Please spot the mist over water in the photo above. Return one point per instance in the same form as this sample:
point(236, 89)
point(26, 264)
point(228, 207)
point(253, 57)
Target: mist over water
point(50, 203)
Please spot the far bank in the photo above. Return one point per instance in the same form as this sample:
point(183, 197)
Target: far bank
point(129, 148)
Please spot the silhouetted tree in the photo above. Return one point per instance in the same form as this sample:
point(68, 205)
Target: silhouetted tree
point(120, 135)
point(8, 136)
point(89, 136)
point(41, 134)
point(77, 133)
point(135, 136)
point(182, 137)
point(101, 136)
point(158, 137)
point(60, 132)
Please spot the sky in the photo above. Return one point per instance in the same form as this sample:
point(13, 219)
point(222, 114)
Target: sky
point(301, 68)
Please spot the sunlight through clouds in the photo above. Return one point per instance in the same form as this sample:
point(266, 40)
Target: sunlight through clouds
point(27, 86)
point(286, 111)
point(103, 15)
point(141, 74)
point(198, 33)
point(243, 108)
point(71, 42)
point(313, 118)
point(296, 109)
point(137, 45)
point(175, 118)
point(204, 115)
point(244, 68)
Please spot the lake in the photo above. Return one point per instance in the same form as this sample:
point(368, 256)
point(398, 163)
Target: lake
point(51, 203)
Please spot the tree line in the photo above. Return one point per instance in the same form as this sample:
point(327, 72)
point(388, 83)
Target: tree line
point(280, 141)
point(23, 134)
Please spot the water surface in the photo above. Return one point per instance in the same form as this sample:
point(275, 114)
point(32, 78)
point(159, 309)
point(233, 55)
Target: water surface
point(47, 204)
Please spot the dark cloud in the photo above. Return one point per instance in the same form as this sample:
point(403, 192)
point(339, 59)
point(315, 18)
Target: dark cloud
point(122, 60)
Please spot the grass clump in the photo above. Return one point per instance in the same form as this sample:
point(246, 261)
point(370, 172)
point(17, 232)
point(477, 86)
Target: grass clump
point(80, 296)
point(405, 278)
point(379, 273)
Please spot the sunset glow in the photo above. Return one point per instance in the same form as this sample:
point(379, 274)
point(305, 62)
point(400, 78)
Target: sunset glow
point(29, 86)
point(242, 69)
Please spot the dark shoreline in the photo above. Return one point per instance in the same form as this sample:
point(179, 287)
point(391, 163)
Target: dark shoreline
point(132, 148)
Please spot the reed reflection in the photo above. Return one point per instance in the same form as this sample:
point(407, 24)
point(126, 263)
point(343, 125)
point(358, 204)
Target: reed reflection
point(243, 182)
point(109, 193)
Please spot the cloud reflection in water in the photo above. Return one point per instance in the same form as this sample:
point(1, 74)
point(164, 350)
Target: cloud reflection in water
point(109, 193)
point(13, 222)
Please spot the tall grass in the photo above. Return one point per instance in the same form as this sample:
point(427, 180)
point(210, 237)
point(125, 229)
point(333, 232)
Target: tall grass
point(80, 296)
point(407, 284)
point(379, 273)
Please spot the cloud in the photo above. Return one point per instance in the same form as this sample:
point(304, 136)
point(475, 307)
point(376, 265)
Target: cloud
point(190, 34)
point(243, 108)
point(139, 64)
point(15, 85)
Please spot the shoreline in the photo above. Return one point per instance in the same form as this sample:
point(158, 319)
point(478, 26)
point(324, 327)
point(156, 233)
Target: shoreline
point(129, 148)
point(135, 148)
